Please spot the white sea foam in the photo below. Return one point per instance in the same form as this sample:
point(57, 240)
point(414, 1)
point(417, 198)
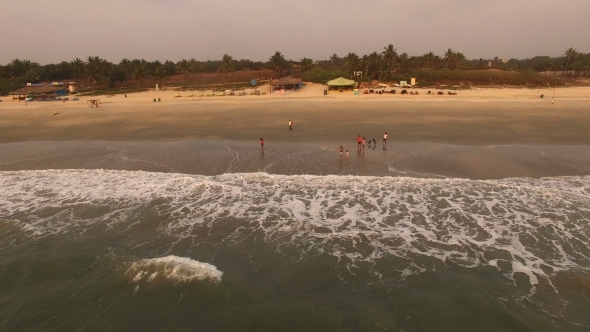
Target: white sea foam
point(172, 268)
point(515, 225)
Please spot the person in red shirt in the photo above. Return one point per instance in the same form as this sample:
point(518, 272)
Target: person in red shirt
point(359, 141)
point(261, 143)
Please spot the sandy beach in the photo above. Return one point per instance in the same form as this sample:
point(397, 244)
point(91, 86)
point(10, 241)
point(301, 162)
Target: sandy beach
point(477, 116)
point(479, 134)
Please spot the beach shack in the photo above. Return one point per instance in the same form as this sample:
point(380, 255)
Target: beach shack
point(286, 84)
point(40, 91)
point(341, 84)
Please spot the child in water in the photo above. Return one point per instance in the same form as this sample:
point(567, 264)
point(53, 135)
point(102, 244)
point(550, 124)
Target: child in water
point(340, 150)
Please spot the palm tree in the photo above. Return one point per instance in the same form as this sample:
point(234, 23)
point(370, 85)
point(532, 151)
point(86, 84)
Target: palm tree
point(242, 63)
point(334, 60)
point(305, 64)
point(428, 59)
point(459, 57)
point(20, 67)
point(403, 61)
point(373, 63)
point(570, 53)
point(184, 67)
point(126, 66)
point(449, 57)
point(389, 54)
point(194, 65)
point(93, 71)
point(277, 62)
point(247, 63)
point(77, 67)
point(351, 62)
point(365, 63)
point(226, 66)
point(161, 74)
point(138, 73)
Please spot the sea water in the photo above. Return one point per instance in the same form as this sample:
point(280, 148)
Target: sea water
point(98, 249)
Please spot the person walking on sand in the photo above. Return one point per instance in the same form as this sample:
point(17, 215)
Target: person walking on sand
point(340, 150)
point(552, 99)
point(261, 143)
point(385, 140)
point(290, 124)
point(359, 141)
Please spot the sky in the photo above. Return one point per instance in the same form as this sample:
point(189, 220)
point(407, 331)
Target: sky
point(49, 31)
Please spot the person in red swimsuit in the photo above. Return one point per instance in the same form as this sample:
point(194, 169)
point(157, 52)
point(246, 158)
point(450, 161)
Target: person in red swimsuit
point(359, 141)
point(261, 143)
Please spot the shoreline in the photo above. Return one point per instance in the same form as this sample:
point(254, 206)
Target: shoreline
point(216, 157)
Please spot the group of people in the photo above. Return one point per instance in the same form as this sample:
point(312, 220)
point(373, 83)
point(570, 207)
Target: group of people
point(361, 142)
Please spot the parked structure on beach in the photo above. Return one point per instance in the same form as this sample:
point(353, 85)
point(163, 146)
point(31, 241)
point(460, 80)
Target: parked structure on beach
point(40, 90)
point(286, 84)
point(341, 83)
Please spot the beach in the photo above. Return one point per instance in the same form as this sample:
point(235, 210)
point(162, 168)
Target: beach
point(475, 217)
point(490, 116)
point(480, 134)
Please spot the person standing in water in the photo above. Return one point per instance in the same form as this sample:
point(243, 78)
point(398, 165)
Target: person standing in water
point(359, 141)
point(340, 150)
point(385, 140)
point(364, 142)
point(290, 124)
point(347, 155)
point(261, 143)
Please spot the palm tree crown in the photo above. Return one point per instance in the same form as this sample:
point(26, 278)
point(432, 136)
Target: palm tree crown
point(277, 62)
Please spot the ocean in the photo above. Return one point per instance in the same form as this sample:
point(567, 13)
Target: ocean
point(217, 236)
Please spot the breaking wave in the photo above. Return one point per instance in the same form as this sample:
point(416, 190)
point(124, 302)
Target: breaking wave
point(172, 268)
point(532, 226)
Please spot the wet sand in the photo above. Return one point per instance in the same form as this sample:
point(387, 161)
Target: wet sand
point(214, 157)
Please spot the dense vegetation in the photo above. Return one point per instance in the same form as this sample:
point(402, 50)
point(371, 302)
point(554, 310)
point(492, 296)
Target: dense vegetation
point(386, 65)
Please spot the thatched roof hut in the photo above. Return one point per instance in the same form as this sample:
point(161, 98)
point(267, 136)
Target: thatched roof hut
point(287, 82)
point(37, 90)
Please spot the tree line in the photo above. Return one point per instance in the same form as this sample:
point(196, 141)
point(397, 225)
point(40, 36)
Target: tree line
point(385, 65)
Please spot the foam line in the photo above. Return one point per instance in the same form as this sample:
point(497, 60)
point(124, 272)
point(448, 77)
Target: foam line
point(525, 222)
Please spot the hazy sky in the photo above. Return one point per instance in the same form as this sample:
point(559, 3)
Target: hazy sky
point(47, 31)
